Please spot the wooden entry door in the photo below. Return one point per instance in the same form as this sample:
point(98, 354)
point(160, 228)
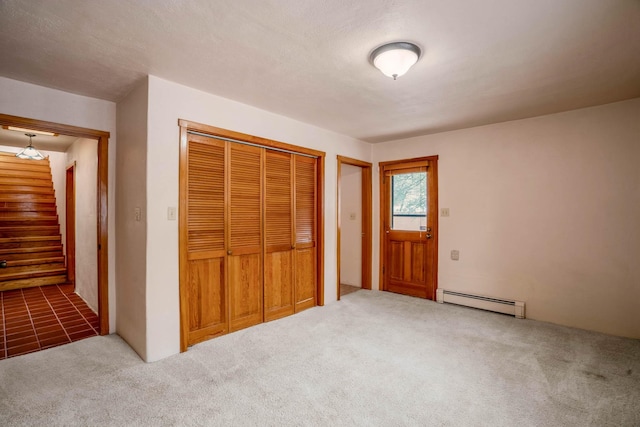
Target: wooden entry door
point(409, 224)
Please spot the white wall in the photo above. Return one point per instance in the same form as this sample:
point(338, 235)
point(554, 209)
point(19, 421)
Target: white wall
point(351, 229)
point(544, 210)
point(37, 102)
point(84, 153)
point(131, 188)
point(58, 174)
point(167, 103)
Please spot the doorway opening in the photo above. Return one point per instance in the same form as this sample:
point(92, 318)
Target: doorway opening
point(409, 226)
point(39, 221)
point(354, 205)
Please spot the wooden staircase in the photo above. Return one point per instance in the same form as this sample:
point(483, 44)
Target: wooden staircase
point(30, 240)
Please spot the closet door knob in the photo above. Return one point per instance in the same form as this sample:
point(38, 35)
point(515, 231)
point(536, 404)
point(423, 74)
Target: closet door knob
point(229, 252)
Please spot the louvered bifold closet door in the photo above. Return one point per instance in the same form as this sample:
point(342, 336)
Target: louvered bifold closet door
point(245, 235)
point(279, 243)
point(207, 314)
point(306, 232)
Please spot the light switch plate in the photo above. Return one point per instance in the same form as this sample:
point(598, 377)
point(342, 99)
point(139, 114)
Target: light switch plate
point(444, 211)
point(455, 255)
point(352, 216)
point(171, 213)
point(137, 212)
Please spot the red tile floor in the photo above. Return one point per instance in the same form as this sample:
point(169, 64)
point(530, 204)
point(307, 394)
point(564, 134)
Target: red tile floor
point(38, 318)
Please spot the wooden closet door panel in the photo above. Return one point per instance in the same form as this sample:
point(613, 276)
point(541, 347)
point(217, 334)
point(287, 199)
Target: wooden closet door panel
point(245, 235)
point(245, 285)
point(278, 271)
point(306, 230)
point(305, 278)
point(207, 305)
point(207, 313)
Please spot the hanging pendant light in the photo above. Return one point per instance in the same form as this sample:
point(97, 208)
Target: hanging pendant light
point(395, 59)
point(29, 152)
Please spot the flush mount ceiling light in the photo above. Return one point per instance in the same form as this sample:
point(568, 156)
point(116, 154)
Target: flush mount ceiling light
point(395, 59)
point(29, 152)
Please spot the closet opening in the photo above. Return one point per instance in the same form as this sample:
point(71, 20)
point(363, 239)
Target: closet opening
point(250, 231)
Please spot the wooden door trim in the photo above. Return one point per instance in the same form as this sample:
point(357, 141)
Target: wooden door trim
point(433, 200)
point(367, 242)
point(182, 241)
point(102, 198)
point(70, 234)
point(185, 127)
point(320, 230)
point(267, 143)
point(405, 163)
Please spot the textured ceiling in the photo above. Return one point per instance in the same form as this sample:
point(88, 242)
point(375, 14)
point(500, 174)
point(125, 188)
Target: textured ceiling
point(484, 61)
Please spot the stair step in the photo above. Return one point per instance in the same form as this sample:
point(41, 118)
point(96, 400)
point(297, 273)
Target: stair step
point(24, 174)
point(24, 214)
point(11, 157)
point(36, 182)
point(19, 221)
point(26, 189)
point(25, 165)
point(14, 256)
point(35, 270)
point(35, 261)
point(4, 240)
point(33, 282)
point(27, 207)
point(33, 230)
point(26, 198)
point(30, 238)
point(29, 242)
point(7, 253)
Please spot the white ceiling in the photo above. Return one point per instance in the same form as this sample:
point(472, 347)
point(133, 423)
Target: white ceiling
point(485, 61)
point(12, 138)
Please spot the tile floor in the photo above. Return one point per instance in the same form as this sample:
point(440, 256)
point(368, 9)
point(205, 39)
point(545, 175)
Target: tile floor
point(347, 289)
point(38, 318)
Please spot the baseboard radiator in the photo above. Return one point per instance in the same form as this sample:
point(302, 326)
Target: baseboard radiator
point(514, 308)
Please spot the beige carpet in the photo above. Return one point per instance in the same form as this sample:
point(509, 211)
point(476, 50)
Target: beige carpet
point(371, 359)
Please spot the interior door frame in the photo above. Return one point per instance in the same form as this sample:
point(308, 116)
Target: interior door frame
point(70, 221)
point(185, 127)
point(102, 198)
point(432, 191)
point(367, 201)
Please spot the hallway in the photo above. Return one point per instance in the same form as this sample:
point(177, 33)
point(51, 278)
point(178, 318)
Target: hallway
point(37, 318)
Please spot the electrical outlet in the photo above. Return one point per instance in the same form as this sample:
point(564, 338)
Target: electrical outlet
point(171, 213)
point(352, 216)
point(455, 255)
point(444, 211)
